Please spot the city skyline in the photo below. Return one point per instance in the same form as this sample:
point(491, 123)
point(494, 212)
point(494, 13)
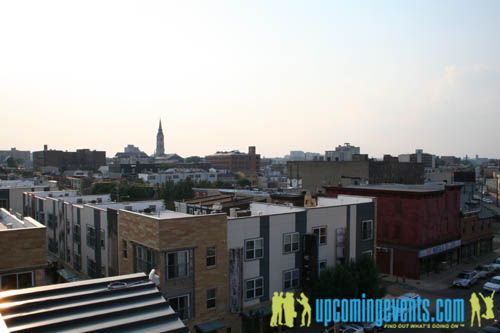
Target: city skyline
point(388, 77)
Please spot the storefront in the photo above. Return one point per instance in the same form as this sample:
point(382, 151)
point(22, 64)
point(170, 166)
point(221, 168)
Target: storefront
point(439, 257)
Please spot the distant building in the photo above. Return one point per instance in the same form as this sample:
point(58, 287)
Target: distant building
point(176, 175)
point(64, 160)
point(342, 153)
point(23, 246)
point(235, 161)
point(449, 160)
point(428, 160)
point(313, 175)
point(299, 155)
point(23, 156)
point(126, 303)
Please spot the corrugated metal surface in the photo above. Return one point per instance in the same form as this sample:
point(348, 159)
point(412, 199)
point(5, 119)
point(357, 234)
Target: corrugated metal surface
point(127, 303)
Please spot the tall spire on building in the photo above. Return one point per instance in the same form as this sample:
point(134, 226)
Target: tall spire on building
point(160, 145)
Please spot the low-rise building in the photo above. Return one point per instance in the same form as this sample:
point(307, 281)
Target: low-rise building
point(236, 161)
point(176, 175)
point(11, 192)
point(23, 245)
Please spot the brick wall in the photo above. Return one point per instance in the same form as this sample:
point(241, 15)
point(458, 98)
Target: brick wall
point(22, 249)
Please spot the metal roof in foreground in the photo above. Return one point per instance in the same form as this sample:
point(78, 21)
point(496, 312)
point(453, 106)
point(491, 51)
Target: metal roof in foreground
point(126, 303)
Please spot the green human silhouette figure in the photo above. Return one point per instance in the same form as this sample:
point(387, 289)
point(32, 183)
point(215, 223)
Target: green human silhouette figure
point(475, 309)
point(289, 307)
point(304, 301)
point(488, 302)
point(277, 309)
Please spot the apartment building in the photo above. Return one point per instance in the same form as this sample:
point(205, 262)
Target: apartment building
point(176, 175)
point(189, 253)
point(11, 191)
point(82, 230)
point(22, 264)
point(235, 161)
point(284, 248)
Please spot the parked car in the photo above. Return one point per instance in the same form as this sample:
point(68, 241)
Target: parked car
point(484, 271)
point(493, 284)
point(465, 279)
point(496, 264)
point(487, 200)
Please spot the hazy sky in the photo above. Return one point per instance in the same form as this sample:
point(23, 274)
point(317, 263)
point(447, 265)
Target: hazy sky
point(389, 76)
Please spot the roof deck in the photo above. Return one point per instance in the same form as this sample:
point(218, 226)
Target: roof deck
point(9, 221)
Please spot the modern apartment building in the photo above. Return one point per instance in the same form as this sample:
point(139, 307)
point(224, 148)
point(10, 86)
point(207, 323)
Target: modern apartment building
point(11, 192)
point(22, 263)
point(284, 248)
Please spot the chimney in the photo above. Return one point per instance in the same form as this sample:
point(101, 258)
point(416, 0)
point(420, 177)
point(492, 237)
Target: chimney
point(251, 150)
point(45, 147)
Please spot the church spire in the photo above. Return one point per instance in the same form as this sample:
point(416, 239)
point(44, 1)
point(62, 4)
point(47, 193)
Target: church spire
point(160, 146)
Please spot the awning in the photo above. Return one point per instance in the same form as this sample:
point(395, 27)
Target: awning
point(210, 326)
point(261, 312)
point(68, 275)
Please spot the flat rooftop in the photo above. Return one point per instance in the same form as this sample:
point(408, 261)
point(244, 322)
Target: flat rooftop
point(126, 303)
point(421, 188)
point(9, 221)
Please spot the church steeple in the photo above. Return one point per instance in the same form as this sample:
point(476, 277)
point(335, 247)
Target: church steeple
point(160, 145)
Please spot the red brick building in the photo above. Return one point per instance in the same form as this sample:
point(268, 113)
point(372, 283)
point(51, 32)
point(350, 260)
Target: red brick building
point(418, 226)
point(235, 161)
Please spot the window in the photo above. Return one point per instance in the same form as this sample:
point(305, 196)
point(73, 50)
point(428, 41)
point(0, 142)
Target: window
point(211, 256)
point(144, 259)
point(366, 230)
point(320, 233)
point(254, 249)
point(180, 304)
point(254, 288)
point(291, 279)
point(91, 268)
point(103, 239)
point(16, 281)
point(90, 236)
point(291, 242)
point(178, 264)
point(211, 298)
point(125, 248)
point(321, 266)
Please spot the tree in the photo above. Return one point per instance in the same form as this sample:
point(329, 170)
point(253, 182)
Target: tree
point(243, 182)
point(349, 281)
point(192, 159)
point(170, 192)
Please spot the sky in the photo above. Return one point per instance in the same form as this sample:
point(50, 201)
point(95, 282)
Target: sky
point(388, 76)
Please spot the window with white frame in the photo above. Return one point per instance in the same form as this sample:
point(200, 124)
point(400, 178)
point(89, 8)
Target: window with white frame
point(181, 305)
point(320, 233)
point(291, 279)
point(291, 242)
point(211, 293)
point(211, 256)
point(254, 288)
point(368, 253)
point(254, 248)
point(16, 281)
point(178, 264)
point(366, 230)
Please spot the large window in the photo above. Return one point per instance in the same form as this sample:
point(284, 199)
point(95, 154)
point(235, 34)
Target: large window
point(90, 236)
point(254, 248)
point(16, 281)
point(180, 304)
point(211, 293)
point(144, 259)
point(321, 266)
point(254, 288)
point(178, 264)
point(211, 256)
point(320, 233)
point(366, 230)
point(291, 279)
point(291, 242)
